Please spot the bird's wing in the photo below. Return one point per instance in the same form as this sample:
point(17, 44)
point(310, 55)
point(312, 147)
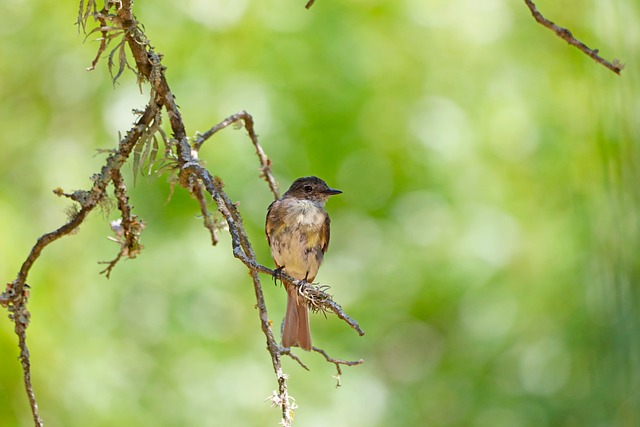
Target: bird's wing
point(325, 233)
point(267, 225)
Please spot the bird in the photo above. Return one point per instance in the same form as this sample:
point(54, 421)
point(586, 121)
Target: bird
point(298, 231)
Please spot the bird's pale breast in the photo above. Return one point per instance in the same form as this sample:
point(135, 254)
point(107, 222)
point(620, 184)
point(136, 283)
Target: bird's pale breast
point(297, 240)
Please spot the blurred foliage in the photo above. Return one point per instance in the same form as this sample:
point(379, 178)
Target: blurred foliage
point(486, 240)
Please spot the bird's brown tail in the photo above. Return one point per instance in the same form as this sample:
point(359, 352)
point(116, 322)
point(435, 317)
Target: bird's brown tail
point(296, 330)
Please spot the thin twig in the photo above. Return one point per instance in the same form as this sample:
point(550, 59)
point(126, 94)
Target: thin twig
point(197, 189)
point(247, 119)
point(127, 229)
point(310, 3)
point(337, 363)
point(566, 35)
point(287, 352)
point(335, 307)
point(26, 369)
point(202, 138)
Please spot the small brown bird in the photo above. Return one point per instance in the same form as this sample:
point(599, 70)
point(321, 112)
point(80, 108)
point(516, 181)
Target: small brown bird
point(298, 230)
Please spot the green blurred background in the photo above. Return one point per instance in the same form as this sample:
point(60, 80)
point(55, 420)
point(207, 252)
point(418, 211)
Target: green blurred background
point(486, 240)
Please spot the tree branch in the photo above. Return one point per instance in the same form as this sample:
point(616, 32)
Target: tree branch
point(190, 175)
point(15, 295)
point(566, 35)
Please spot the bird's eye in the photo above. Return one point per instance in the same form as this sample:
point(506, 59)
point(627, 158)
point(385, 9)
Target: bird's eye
point(307, 188)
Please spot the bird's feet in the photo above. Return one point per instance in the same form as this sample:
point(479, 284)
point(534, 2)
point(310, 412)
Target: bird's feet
point(277, 275)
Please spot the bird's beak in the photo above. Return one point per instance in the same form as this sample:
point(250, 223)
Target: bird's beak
point(332, 192)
